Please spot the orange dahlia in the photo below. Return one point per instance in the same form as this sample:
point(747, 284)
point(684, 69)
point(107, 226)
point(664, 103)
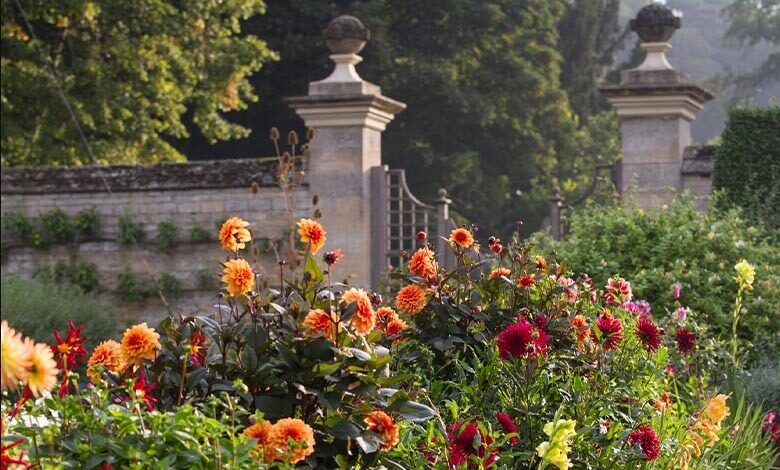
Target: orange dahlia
point(382, 424)
point(498, 272)
point(262, 432)
point(580, 325)
point(395, 327)
point(14, 358)
point(107, 354)
point(43, 370)
point(320, 321)
point(388, 322)
point(139, 342)
point(238, 276)
point(462, 237)
point(234, 235)
point(364, 319)
point(290, 429)
point(312, 233)
point(422, 263)
point(411, 299)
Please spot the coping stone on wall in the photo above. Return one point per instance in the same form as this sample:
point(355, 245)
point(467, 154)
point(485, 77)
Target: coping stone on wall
point(698, 159)
point(208, 174)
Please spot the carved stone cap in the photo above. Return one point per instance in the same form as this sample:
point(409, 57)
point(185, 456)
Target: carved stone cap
point(346, 34)
point(655, 23)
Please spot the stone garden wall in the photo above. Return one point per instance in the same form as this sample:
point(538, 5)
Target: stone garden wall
point(195, 195)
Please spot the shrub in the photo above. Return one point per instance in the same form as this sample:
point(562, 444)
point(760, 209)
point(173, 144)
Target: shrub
point(20, 228)
point(656, 249)
point(166, 236)
point(80, 274)
point(747, 165)
point(37, 307)
point(170, 286)
point(199, 234)
point(87, 222)
point(130, 288)
point(56, 227)
point(129, 231)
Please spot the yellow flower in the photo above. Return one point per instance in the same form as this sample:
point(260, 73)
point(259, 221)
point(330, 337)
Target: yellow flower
point(139, 342)
point(312, 233)
point(234, 235)
point(14, 358)
point(745, 273)
point(462, 237)
point(238, 276)
point(556, 450)
point(107, 354)
point(295, 430)
point(43, 373)
point(717, 408)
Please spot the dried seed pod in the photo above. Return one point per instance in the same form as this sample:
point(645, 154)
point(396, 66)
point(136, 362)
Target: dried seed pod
point(315, 199)
point(317, 214)
point(286, 158)
point(274, 133)
point(310, 134)
point(292, 138)
point(255, 187)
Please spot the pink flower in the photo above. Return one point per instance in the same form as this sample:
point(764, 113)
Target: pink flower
point(618, 291)
point(682, 313)
point(669, 369)
point(570, 288)
point(676, 288)
point(521, 340)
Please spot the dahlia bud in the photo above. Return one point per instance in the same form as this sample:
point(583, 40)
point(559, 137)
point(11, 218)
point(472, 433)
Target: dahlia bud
point(376, 299)
point(422, 236)
point(497, 248)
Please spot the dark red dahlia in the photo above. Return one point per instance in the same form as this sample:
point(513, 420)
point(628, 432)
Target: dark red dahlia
point(467, 440)
point(521, 340)
point(686, 341)
point(143, 390)
point(527, 280)
point(508, 426)
point(648, 441)
point(649, 334)
point(611, 329)
point(198, 348)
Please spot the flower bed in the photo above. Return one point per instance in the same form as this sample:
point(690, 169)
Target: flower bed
point(506, 360)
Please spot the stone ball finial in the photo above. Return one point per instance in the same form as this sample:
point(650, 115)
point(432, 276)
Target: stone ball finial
point(346, 34)
point(655, 23)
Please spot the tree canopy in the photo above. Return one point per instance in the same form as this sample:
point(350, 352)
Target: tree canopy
point(130, 72)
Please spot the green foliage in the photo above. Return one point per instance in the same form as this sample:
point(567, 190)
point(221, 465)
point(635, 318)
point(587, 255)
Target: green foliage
point(170, 286)
point(80, 274)
point(655, 249)
point(129, 231)
point(199, 234)
point(56, 227)
point(205, 279)
point(189, 437)
point(752, 22)
point(130, 71)
point(747, 165)
point(36, 308)
point(131, 288)
point(87, 222)
point(20, 228)
point(166, 236)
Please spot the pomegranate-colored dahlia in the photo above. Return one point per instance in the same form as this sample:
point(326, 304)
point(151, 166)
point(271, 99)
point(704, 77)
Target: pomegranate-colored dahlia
point(611, 329)
point(686, 340)
point(649, 333)
point(521, 340)
point(462, 446)
point(648, 441)
point(508, 426)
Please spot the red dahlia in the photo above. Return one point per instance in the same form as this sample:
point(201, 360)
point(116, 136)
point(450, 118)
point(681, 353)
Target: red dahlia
point(508, 426)
point(648, 441)
point(611, 330)
point(649, 334)
point(464, 443)
point(686, 341)
point(521, 340)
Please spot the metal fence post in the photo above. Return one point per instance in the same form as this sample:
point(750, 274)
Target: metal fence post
point(556, 202)
point(443, 225)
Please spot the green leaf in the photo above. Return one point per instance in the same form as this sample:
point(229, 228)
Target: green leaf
point(412, 410)
point(314, 270)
